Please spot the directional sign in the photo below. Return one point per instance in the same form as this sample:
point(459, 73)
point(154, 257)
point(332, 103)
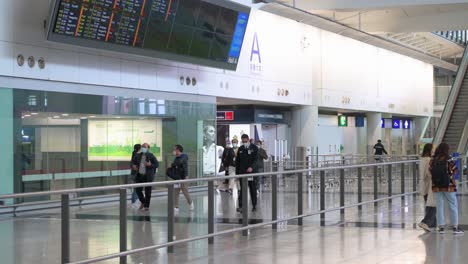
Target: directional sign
point(343, 121)
point(406, 124)
point(396, 123)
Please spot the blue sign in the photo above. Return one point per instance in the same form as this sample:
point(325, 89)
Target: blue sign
point(406, 124)
point(238, 37)
point(382, 123)
point(359, 121)
point(396, 123)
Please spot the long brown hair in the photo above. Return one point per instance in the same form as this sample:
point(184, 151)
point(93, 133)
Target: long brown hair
point(427, 151)
point(442, 151)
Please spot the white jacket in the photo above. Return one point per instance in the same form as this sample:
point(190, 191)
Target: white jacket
point(425, 179)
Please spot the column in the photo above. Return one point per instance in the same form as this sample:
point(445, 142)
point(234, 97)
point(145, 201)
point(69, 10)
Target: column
point(374, 130)
point(304, 126)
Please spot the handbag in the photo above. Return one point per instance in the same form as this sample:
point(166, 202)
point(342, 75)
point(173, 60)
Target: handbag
point(171, 173)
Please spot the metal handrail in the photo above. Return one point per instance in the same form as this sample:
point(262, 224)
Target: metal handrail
point(65, 204)
point(226, 232)
point(207, 179)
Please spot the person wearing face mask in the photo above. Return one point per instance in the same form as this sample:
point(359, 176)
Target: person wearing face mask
point(246, 163)
point(229, 165)
point(180, 167)
point(146, 164)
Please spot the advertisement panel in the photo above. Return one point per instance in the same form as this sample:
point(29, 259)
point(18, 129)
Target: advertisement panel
point(114, 139)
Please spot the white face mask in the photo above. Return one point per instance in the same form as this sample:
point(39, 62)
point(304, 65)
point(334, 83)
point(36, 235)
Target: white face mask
point(144, 150)
point(174, 153)
point(247, 144)
point(235, 145)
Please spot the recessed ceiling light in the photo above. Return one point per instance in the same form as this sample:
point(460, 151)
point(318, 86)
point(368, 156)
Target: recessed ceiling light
point(117, 117)
point(83, 117)
point(92, 116)
point(34, 113)
point(27, 115)
point(22, 117)
point(56, 116)
point(64, 114)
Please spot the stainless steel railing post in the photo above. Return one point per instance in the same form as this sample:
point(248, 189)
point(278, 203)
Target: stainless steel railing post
point(211, 207)
point(170, 216)
point(300, 197)
point(65, 224)
point(123, 224)
point(414, 177)
point(390, 183)
point(402, 176)
point(342, 190)
point(359, 188)
point(322, 196)
point(376, 189)
point(245, 205)
point(274, 199)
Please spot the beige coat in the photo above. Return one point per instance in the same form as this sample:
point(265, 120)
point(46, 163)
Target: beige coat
point(425, 183)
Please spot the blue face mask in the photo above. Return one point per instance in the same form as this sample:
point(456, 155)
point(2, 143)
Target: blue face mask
point(144, 150)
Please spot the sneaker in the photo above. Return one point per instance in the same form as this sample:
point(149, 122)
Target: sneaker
point(458, 231)
point(424, 226)
point(192, 206)
point(176, 209)
point(441, 230)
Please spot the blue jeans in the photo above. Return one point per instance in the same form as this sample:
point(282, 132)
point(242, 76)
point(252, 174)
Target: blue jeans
point(134, 196)
point(451, 198)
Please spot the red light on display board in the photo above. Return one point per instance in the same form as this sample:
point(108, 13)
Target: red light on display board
point(229, 115)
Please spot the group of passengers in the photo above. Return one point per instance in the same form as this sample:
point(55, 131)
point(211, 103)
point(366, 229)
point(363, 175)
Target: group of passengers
point(438, 187)
point(144, 166)
point(236, 160)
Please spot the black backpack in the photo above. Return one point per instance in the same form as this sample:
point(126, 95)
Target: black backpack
point(440, 174)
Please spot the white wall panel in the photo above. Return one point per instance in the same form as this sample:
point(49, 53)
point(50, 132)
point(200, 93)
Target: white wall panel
point(62, 66)
point(109, 71)
point(89, 69)
point(7, 59)
point(148, 78)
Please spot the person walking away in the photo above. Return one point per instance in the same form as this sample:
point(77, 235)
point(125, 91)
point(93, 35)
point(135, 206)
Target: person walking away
point(262, 156)
point(146, 164)
point(430, 221)
point(379, 151)
point(133, 172)
point(246, 163)
point(229, 165)
point(443, 169)
point(180, 167)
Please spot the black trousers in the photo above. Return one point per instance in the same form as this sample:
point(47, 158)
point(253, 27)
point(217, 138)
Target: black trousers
point(253, 192)
point(430, 215)
point(146, 198)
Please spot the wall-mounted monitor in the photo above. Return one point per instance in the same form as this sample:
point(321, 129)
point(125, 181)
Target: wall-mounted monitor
point(203, 32)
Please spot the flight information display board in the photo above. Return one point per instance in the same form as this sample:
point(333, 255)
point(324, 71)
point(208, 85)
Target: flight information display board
point(206, 32)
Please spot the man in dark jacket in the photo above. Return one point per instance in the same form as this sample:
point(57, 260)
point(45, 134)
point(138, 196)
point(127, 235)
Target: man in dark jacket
point(145, 163)
point(379, 150)
point(180, 167)
point(246, 163)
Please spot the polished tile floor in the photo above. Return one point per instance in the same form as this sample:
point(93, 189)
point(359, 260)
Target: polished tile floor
point(383, 234)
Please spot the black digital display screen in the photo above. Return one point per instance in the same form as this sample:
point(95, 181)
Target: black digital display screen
point(205, 32)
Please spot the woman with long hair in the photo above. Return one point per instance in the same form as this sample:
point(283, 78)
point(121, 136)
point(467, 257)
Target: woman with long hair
point(443, 169)
point(429, 222)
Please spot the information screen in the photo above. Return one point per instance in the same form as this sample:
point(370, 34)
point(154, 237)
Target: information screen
point(204, 32)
